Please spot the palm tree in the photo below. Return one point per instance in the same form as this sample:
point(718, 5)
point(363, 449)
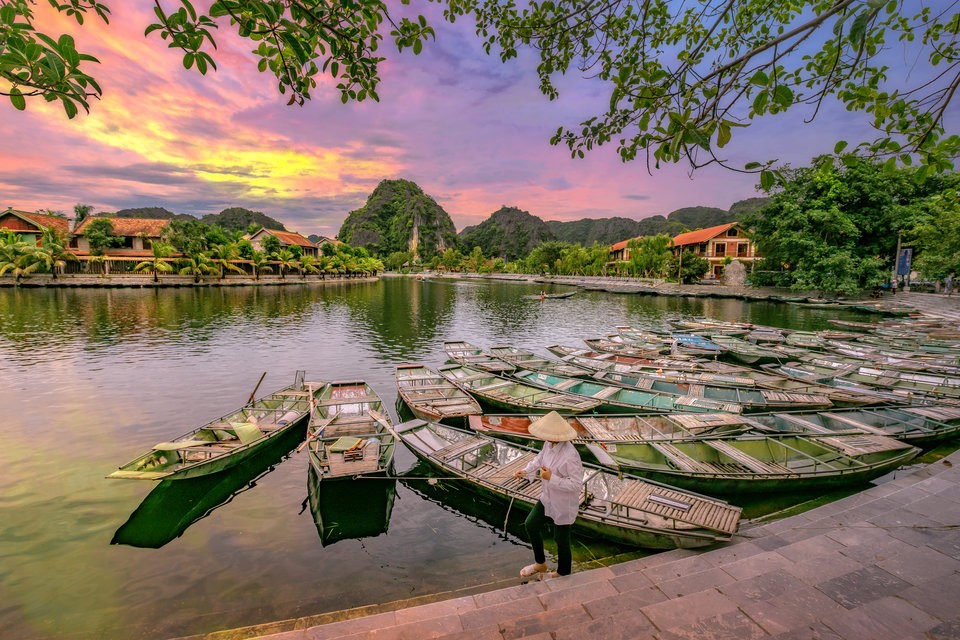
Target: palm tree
point(158, 263)
point(17, 256)
point(287, 260)
point(197, 266)
point(53, 252)
point(308, 264)
point(223, 255)
point(261, 263)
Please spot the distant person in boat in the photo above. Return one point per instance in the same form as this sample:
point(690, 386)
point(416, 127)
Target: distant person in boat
point(560, 471)
point(948, 283)
point(542, 294)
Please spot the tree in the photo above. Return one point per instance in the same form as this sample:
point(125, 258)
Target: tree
point(475, 260)
point(188, 237)
point(690, 266)
point(937, 236)
point(158, 263)
point(197, 266)
point(833, 226)
point(80, 213)
point(308, 264)
point(286, 260)
point(271, 245)
point(261, 264)
point(17, 257)
point(396, 260)
point(99, 234)
point(52, 252)
point(223, 256)
point(649, 255)
point(682, 76)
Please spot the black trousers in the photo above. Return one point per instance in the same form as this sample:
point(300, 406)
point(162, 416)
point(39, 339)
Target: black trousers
point(535, 523)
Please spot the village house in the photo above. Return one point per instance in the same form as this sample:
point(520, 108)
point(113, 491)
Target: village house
point(30, 226)
point(717, 244)
point(137, 236)
point(286, 238)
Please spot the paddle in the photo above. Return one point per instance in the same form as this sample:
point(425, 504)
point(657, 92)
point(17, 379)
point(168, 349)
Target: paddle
point(317, 432)
point(253, 395)
point(379, 417)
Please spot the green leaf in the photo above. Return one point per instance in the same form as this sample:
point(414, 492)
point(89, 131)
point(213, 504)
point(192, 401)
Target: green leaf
point(750, 166)
point(16, 97)
point(723, 134)
point(760, 79)
point(767, 179)
point(839, 147)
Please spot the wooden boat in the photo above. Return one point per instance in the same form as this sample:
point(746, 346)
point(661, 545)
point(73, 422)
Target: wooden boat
point(616, 399)
point(432, 397)
point(350, 510)
point(616, 507)
point(347, 435)
point(226, 441)
point(692, 343)
point(925, 385)
point(766, 335)
point(707, 326)
point(724, 455)
point(472, 355)
point(621, 348)
point(514, 395)
point(746, 352)
point(917, 425)
point(606, 361)
point(639, 339)
point(852, 324)
point(805, 339)
point(749, 399)
point(521, 359)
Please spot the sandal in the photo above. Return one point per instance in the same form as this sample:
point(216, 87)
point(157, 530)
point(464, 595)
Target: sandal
point(549, 575)
point(533, 569)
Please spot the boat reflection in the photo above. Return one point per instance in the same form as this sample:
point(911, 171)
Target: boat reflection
point(350, 509)
point(174, 505)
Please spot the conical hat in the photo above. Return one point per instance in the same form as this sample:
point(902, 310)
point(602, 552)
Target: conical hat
point(552, 427)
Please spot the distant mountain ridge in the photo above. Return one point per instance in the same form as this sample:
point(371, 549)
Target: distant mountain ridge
point(509, 233)
point(231, 219)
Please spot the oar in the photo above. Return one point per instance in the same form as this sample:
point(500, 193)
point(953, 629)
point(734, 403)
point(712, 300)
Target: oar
point(317, 432)
point(253, 395)
point(379, 417)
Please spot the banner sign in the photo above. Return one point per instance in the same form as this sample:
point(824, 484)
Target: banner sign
point(903, 261)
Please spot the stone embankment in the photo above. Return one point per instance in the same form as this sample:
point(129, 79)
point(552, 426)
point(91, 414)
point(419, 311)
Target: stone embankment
point(171, 281)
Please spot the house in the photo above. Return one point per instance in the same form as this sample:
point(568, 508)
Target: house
point(30, 226)
point(325, 241)
point(619, 252)
point(717, 244)
point(286, 238)
point(137, 234)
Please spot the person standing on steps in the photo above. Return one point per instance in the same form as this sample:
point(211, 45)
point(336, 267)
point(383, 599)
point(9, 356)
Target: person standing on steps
point(560, 470)
point(948, 283)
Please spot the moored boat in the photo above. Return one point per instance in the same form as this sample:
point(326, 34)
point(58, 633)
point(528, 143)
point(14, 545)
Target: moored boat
point(432, 397)
point(522, 359)
point(226, 441)
point(513, 395)
point(616, 507)
point(334, 506)
point(725, 454)
point(347, 435)
point(472, 355)
point(747, 352)
point(694, 344)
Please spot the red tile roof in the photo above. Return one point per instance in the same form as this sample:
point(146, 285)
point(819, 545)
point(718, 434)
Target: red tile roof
point(289, 237)
point(147, 227)
point(619, 246)
point(42, 220)
point(701, 235)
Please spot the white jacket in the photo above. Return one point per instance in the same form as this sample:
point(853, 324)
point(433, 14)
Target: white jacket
point(561, 493)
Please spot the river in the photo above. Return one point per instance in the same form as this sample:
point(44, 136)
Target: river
point(89, 378)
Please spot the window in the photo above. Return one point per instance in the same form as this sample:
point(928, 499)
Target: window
point(720, 249)
point(732, 233)
point(743, 249)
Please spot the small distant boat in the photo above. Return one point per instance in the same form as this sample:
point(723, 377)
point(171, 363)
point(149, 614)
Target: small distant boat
point(432, 397)
point(616, 507)
point(606, 361)
point(616, 399)
point(347, 435)
point(528, 360)
point(226, 441)
point(552, 296)
point(472, 355)
point(724, 455)
point(694, 344)
point(514, 395)
point(747, 352)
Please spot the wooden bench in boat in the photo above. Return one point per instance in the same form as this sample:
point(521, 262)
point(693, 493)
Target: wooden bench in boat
point(700, 422)
point(459, 448)
point(679, 459)
point(502, 473)
point(748, 461)
point(495, 385)
point(605, 393)
point(427, 387)
point(351, 400)
point(942, 414)
point(669, 503)
point(859, 426)
point(858, 445)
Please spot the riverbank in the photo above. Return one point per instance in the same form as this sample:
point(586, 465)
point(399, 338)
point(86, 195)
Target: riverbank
point(170, 281)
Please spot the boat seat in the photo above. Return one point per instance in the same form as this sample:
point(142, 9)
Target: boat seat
point(247, 432)
point(746, 460)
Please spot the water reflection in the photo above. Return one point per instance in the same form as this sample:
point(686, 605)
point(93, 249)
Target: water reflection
point(174, 505)
point(350, 509)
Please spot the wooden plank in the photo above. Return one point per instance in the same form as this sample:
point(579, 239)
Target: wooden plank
point(681, 460)
point(748, 461)
point(855, 424)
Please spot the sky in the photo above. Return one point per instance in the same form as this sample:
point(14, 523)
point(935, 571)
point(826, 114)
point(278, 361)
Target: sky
point(471, 131)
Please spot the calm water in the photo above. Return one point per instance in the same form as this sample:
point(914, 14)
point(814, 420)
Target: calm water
point(90, 378)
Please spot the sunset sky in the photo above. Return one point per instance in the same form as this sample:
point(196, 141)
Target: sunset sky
point(471, 131)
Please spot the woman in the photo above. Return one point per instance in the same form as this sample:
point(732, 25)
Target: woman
point(560, 470)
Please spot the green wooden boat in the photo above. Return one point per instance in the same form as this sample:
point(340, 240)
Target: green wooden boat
point(350, 510)
point(615, 507)
point(746, 352)
point(723, 455)
point(918, 425)
point(432, 397)
point(513, 395)
point(615, 399)
point(522, 359)
point(700, 386)
point(606, 361)
point(226, 441)
point(347, 435)
point(470, 354)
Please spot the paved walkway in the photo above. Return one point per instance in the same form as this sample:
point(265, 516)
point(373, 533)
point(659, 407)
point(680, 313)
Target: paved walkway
point(881, 564)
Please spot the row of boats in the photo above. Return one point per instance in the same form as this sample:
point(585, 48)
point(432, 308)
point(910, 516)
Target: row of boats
point(666, 437)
